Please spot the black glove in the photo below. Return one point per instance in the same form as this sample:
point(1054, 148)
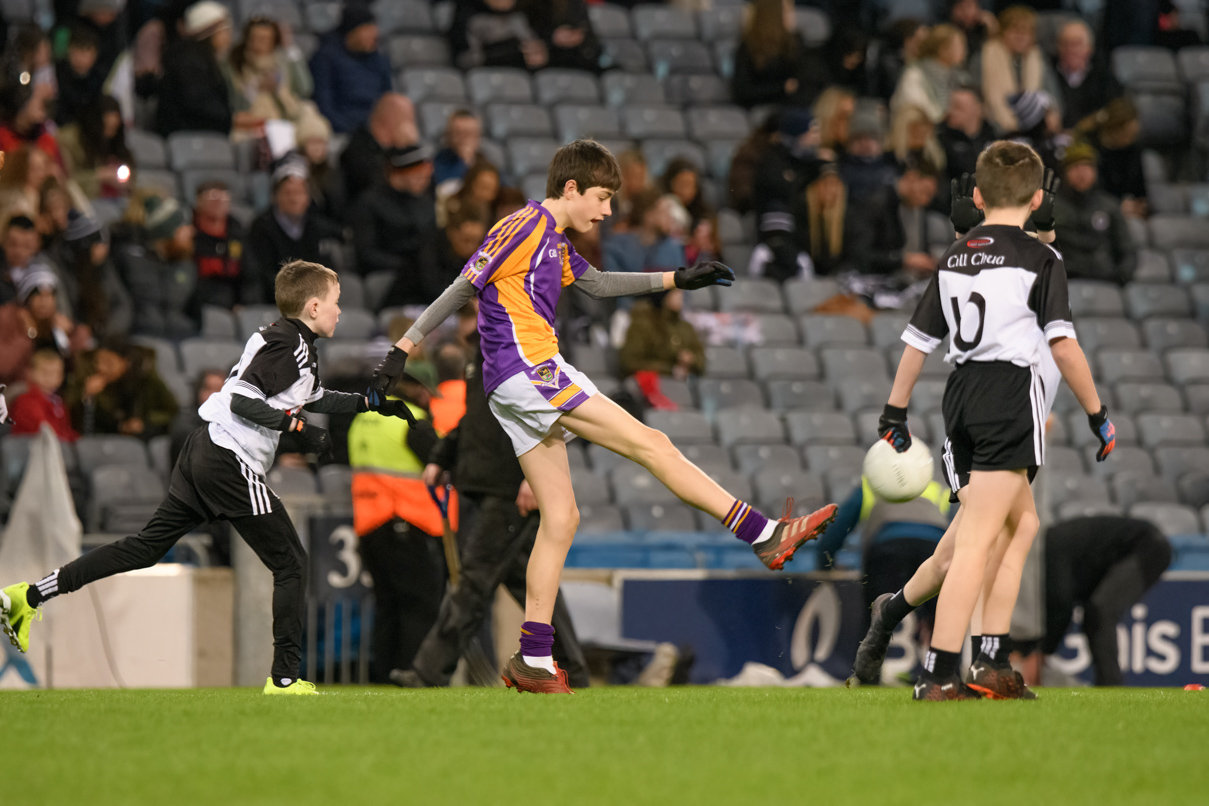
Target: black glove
point(703, 274)
point(1043, 216)
point(377, 402)
point(1103, 428)
point(314, 439)
point(892, 427)
point(388, 371)
point(962, 212)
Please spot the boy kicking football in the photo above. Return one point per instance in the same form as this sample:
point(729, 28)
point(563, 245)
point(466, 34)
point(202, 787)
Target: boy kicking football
point(220, 474)
point(542, 401)
point(998, 294)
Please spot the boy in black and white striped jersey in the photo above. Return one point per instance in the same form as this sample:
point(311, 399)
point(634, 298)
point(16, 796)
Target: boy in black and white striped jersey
point(220, 473)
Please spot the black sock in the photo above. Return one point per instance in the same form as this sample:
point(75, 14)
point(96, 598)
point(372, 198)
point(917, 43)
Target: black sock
point(975, 646)
point(897, 608)
point(34, 597)
point(997, 647)
point(940, 664)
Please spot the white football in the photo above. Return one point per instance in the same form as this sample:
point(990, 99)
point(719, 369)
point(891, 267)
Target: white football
point(898, 477)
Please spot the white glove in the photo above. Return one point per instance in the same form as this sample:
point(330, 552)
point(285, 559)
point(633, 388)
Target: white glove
point(3, 405)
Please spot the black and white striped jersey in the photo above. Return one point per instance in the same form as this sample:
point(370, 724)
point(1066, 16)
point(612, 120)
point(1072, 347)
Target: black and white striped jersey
point(1000, 294)
point(280, 366)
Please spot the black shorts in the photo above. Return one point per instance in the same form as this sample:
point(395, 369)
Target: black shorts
point(217, 484)
point(994, 420)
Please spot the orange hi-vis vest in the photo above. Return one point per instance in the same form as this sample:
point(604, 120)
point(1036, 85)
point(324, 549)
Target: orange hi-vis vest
point(387, 479)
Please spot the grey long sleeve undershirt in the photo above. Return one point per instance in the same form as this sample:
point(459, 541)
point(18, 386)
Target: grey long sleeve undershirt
point(593, 282)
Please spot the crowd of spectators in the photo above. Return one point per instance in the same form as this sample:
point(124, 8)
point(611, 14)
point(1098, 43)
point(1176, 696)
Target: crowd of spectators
point(846, 171)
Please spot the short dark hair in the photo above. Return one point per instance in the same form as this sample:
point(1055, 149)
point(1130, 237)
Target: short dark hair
point(450, 362)
point(299, 281)
point(22, 222)
point(642, 203)
point(1008, 174)
point(587, 163)
point(84, 37)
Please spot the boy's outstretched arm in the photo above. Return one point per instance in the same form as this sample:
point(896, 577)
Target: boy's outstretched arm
point(1068, 355)
point(601, 284)
point(451, 301)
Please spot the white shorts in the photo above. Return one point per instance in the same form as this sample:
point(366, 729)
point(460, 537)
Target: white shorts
point(529, 404)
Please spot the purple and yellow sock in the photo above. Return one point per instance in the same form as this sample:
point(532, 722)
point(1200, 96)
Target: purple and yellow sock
point(537, 639)
point(745, 521)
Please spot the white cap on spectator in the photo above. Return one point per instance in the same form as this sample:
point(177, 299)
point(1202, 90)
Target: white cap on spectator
point(38, 277)
point(205, 19)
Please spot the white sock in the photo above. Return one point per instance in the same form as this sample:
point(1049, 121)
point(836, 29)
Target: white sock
point(766, 533)
point(540, 662)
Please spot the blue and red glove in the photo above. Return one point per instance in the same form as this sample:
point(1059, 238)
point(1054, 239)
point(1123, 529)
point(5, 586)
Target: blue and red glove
point(1102, 427)
point(892, 427)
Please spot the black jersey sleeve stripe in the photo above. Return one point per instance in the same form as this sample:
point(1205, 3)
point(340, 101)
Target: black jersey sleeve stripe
point(273, 369)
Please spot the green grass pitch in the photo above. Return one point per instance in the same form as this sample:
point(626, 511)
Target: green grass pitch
point(607, 746)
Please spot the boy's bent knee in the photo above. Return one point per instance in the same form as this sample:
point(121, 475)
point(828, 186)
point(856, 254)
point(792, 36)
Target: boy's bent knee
point(653, 445)
point(560, 523)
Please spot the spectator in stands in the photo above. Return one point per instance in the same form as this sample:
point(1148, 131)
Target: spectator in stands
point(31, 53)
point(459, 148)
point(90, 280)
point(269, 77)
point(495, 33)
point(566, 31)
point(660, 341)
point(977, 24)
point(1040, 125)
point(325, 179)
point(507, 202)
point(42, 403)
point(23, 118)
point(864, 166)
point(54, 202)
point(1170, 31)
point(964, 134)
point(395, 228)
point(900, 47)
point(108, 20)
point(159, 270)
point(78, 75)
point(1011, 64)
point(682, 179)
point(363, 161)
point(773, 64)
point(187, 419)
point(810, 241)
point(349, 70)
point(25, 172)
point(464, 233)
point(789, 165)
point(116, 390)
point(193, 94)
point(702, 243)
point(476, 195)
point(913, 138)
point(95, 152)
point(844, 56)
point(218, 244)
point(289, 230)
point(32, 322)
point(834, 110)
point(746, 160)
point(1095, 240)
point(1114, 132)
point(1085, 84)
point(928, 82)
point(21, 244)
point(646, 245)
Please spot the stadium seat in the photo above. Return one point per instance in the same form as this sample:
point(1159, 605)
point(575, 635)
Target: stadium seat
point(776, 329)
point(623, 54)
point(1188, 365)
point(1171, 519)
point(734, 483)
point(356, 323)
point(1095, 298)
point(633, 484)
point(819, 330)
point(730, 227)
point(681, 426)
point(1174, 462)
point(1145, 300)
point(96, 450)
point(1096, 332)
point(803, 296)
point(1061, 460)
point(725, 362)
point(1080, 434)
point(1167, 199)
point(1152, 267)
point(813, 26)
point(1165, 334)
point(722, 393)
point(1137, 397)
point(659, 152)
point(1147, 69)
point(1066, 402)
point(887, 328)
point(749, 427)
point(149, 149)
point(928, 394)
point(123, 497)
point(218, 323)
point(287, 481)
point(418, 51)
point(1131, 487)
point(1200, 301)
point(528, 155)
point(188, 150)
point(1172, 232)
point(857, 392)
point(1138, 230)
point(575, 121)
point(518, 120)
point(323, 17)
point(651, 21)
point(1197, 397)
point(750, 459)
point(433, 84)
point(254, 317)
point(588, 489)
point(709, 457)
point(790, 363)
point(713, 122)
point(652, 121)
point(722, 22)
point(844, 362)
point(599, 519)
point(1063, 487)
point(784, 395)
point(823, 459)
point(556, 86)
point(698, 90)
point(199, 354)
point(867, 421)
point(630, 89)
point(236, 182)
point(162, 182)
point(1190, 265)
point(610, 21)
point(840, 483)
point(1086, 509)
point(414, 16)
point(1162, 117)
point(1163, 429)
point(501, 85)
point(347, 359)
point(1129, 365)
point(336, 483)
point(1193, 62)
point(434, 117)
point(751, 294)
point(1193, 489)
point(673, 56)
point(661, 518)
point(774, 486)
point(285, 11)
point(820, 428)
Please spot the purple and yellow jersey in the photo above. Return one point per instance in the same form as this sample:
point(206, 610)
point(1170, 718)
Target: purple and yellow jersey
point(520, 270)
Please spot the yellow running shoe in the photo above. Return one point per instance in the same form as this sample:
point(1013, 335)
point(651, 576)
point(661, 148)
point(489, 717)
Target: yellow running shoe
point(297, 687)
point(16, 615)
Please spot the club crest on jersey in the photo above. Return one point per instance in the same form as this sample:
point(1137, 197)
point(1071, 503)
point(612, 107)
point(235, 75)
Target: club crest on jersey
point(562, 254)
point(546, 376)
point(978, 243)
point(472, 272)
